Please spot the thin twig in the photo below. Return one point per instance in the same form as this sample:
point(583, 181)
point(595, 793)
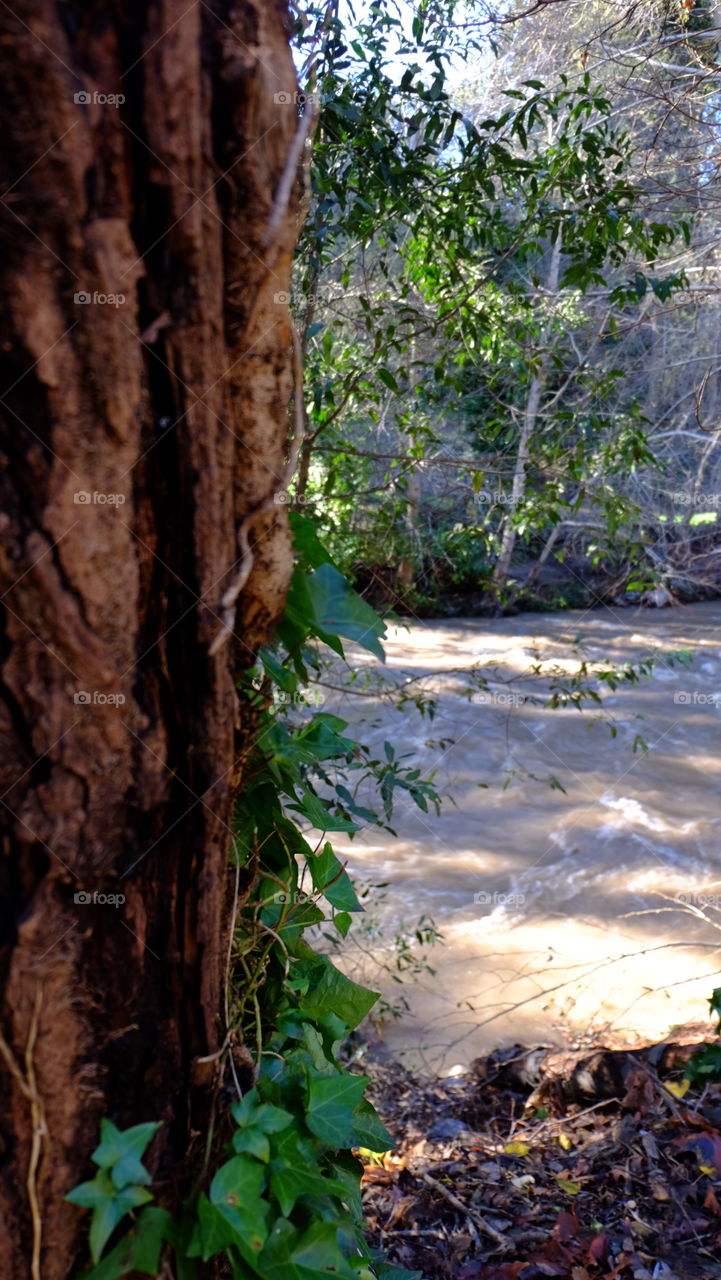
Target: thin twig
point(471, 1214)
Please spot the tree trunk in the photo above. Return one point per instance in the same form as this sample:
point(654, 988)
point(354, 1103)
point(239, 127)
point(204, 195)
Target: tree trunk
point(533, 405)
point(147, 368)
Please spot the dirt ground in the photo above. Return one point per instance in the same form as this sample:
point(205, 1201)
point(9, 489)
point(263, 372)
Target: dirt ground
point(593, 1163)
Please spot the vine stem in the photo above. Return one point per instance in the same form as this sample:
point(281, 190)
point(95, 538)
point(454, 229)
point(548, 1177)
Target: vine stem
point(28, 1087)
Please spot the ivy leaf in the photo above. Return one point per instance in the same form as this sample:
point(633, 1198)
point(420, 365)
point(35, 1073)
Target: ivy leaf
point(288, 1255)
point(294, 1172)
point(371, 1132)
point(253, 1141)
point(331, 992)
point(236, 1193)
point(264, 1117)
point(109, 1206)
point(139, 1250)
point(331, 1103)
point(120, 1151)
point(333, 881)
point(338, 610)
point(212, 1232)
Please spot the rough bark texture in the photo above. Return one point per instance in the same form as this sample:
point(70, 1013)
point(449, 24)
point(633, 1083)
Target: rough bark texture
point(134, 438)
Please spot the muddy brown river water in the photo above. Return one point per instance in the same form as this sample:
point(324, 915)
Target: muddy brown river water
point(559, 912)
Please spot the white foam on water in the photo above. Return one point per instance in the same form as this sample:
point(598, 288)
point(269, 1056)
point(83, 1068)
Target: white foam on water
point(631, 812)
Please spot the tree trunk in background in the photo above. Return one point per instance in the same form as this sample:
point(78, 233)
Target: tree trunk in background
point(533, 404)
point(135, 433)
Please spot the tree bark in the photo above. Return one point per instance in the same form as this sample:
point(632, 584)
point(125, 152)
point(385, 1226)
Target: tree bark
point(136, 435)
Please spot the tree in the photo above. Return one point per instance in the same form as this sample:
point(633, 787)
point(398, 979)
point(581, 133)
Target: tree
point(148, 220)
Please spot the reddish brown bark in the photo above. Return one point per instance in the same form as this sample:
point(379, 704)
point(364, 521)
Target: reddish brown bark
point(175, 401)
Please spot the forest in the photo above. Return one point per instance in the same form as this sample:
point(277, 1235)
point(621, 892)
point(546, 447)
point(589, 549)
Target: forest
point(360, 428)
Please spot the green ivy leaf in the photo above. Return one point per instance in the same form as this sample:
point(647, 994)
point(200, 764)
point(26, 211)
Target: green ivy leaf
point(140, 1249)
point(294, 1172)
point(315, 1254)
point(333, 881)
point(109, 1206)
point(236, 1193)
point(120, 1151)
point(330, 991)
point(372, 1133)
point(331, 1103)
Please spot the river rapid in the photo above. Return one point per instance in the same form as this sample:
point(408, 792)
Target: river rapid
point(564, 913)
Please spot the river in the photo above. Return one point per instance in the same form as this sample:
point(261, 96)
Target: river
point(558, 908)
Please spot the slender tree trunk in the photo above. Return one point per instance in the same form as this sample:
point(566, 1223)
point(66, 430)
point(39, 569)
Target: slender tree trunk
point(146, 373)
point(533, 404)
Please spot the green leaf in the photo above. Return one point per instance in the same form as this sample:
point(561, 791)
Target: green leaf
point(109, 1206)
point(306, 542)
point(294, 1172)
point(331, 1103)
point(120, 1150)
point(315, 1254)
point(212, 1233)
point(333, 881)
point(319, 815)
point(139, 1250)
point(371, 1132)
point(330, 991)
point(703, 517)
point(236, 1193)
point(338, 610)
point(342, 922)
point(264, 1117)
point(388, 379)
point(254, 1141)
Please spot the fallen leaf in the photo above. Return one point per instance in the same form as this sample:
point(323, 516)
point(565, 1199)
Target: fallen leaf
point(598, 1247)
point(678, 1090)
point(659, 1191)
point(564, 1141)
point(567, 1226)
point(571, 1188)
point(399, 1211)
point(517, 1148)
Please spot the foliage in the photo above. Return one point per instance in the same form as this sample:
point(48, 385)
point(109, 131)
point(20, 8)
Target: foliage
point(426, 321)
point(705, 1064)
